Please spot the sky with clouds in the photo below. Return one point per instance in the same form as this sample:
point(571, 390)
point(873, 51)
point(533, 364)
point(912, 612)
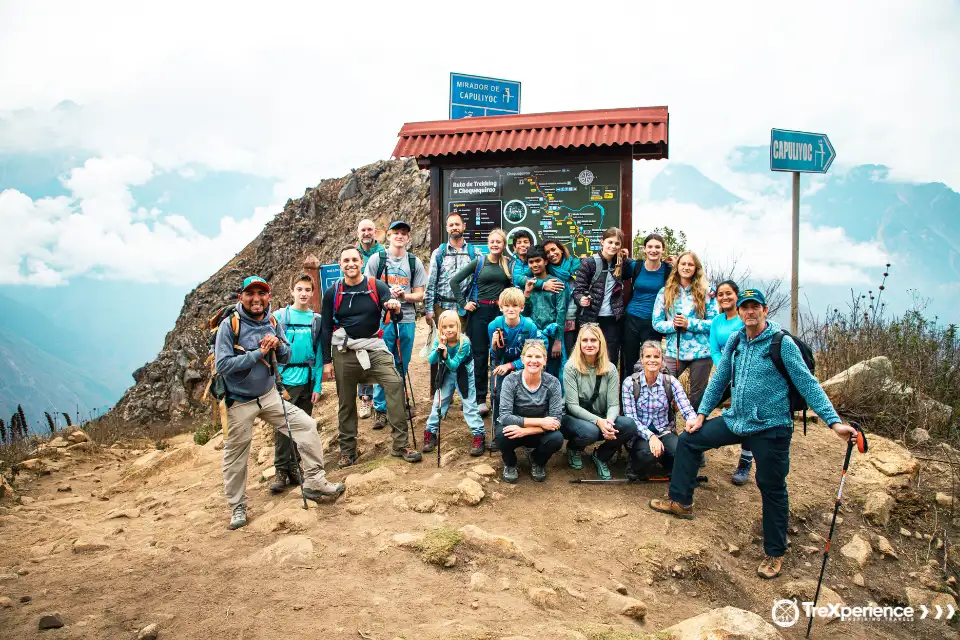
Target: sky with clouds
point(298, 92)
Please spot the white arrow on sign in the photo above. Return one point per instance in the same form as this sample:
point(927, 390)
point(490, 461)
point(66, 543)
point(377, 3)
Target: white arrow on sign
point(923, 612)
point(939, 612)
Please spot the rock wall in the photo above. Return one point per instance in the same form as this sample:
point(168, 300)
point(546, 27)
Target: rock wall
point(325, 218)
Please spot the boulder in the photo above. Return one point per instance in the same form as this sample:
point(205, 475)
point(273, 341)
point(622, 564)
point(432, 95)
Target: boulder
point(375, 481)
point(427, 505)
point(928, 598)
point(919, 436)
point(32, 464)
point(883, 546)
point(59, 443)
point(885, 467)
point(89, 545)
point(728, 622)
point(290, 519)
point(804, 590)
point(78, 436)
point(869, 373)
point(634, 608)
point(877, 507)
point(470, 491)
point(484, 470)
point(858, 550)
point(50, 621)
point(289, 551)
point(544, 597)
point(944, 499)
point(149, 632)
point(497, 545)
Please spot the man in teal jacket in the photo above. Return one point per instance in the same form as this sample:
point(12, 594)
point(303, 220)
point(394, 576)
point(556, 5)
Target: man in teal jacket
point(368, 246)
point(759, 415)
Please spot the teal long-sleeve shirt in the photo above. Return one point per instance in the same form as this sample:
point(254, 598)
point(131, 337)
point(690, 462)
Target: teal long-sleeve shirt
point(720, 331)
point(759, 396)
point(456, 354)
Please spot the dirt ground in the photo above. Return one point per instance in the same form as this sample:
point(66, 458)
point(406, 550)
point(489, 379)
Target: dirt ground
point(168, 557)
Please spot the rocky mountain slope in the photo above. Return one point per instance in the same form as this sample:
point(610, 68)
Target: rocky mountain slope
point(322, 221)
point(114, 540)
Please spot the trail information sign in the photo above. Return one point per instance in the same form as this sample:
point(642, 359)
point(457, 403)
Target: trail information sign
point(329, 274)
point(572, 203)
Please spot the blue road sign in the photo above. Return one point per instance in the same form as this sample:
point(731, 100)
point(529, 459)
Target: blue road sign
point(329, 274)
point(800, 151)
point(472, 96)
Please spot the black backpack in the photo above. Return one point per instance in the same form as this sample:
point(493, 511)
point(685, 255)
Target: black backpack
point(796, 400)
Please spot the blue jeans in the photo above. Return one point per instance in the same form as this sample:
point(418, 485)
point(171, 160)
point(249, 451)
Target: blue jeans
point(407, 330)
point(771, 450)
point(470, 412)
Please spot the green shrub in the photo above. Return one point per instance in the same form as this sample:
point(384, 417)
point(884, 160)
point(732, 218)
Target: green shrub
point(201, 434)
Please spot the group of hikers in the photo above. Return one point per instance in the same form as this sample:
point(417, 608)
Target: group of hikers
point(544, 343)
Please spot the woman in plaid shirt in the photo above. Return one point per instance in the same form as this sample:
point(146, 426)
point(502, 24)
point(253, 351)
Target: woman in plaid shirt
point(647, 403)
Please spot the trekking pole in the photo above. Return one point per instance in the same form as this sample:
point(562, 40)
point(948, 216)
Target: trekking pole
point(441, 370)
point(403, 380)
point(860, 439)
point(677, 372)
point(293, 444)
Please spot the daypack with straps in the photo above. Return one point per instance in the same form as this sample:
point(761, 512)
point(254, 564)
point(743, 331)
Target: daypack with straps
point(794, 397)
point(338, 298)
point(590, 403)
point(667, 390)
point(218, 386)
point(471, 254)
point(638, 264)
point(382, 264)
point(314, 327)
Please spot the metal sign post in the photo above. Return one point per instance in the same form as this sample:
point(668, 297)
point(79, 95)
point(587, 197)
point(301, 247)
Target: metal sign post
point(798, 152)
point(472, 96)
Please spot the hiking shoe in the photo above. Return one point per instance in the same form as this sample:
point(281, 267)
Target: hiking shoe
point(603, 471)
point(365, 408)
point(346, 460)
point(575, 458)
point(379, 419)
point(239, 516)
point(478, 446)
point(429, 442)
point(492, 445)
point(770, 567)
point(538, 472)
point(666, 505)
point(742, 474)
point(408, 454)
point(510, 474)
point(484, 409)
point(631, 472)
point(323, 489)
point(280, 482)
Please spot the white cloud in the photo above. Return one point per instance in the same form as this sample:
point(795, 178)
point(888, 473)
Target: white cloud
point(307, 90)
point(757, 234)
point(99, 231)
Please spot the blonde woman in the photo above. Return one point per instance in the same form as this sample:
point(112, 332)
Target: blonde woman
point(683, 313)
point(529, 414)
point(491, 275)
point(591, 393)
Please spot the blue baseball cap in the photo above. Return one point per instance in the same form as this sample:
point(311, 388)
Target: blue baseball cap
point(399, 224)
point(252, 280)
point(751, 294)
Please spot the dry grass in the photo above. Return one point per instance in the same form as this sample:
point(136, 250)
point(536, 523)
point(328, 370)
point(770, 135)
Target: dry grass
point(438, 545)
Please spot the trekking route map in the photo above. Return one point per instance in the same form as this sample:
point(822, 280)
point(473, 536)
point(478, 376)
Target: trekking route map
point(573, 204)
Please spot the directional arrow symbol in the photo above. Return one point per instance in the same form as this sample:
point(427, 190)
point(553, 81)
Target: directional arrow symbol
point(951, 610)
point(939, 612)
point(923, 612)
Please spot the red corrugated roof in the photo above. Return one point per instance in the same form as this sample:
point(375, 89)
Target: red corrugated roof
point(557, 130)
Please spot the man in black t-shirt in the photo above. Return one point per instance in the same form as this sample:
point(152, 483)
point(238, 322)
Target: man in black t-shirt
point(353, 352)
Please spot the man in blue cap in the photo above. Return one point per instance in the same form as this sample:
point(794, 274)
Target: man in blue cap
point(246, 358)
point(759, 415)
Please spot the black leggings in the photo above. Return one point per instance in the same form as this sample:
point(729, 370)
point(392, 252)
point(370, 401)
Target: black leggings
point(612, 330)
point(477, 323)
point(636, 331)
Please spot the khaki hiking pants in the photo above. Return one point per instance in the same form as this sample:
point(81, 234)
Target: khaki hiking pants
point(348, 374)
point(238, 434)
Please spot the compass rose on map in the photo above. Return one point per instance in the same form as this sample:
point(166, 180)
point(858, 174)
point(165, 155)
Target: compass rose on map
point(515, 211)
point(585, 177)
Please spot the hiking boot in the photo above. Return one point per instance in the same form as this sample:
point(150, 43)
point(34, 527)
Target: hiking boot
point(575, 458)
point(538, 472)
point(239, 516)
point(631, 472)
point(323, 489)
point(478, 446)
point(408, 454)
point(666, 505)
point(379, 419)
point(742, 474)
point(346, 460)
point(770, 567)
point(510, 474)
point(365, 408)
point(280, 482)
point(429, 442)
point(603, 471)
point(492, 445)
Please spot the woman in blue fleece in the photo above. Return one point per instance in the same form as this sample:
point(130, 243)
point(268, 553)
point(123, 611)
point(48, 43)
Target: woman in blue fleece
point(759, 415)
